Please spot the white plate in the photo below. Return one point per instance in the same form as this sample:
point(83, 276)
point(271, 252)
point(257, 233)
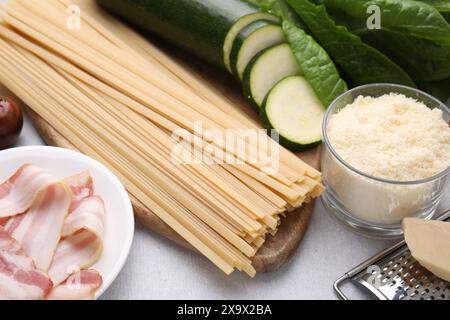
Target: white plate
point(119, 219)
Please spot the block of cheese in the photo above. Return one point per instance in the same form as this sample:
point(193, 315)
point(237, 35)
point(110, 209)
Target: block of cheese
point(429, 243)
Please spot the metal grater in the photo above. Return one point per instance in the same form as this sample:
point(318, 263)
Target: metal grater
point(394, 274)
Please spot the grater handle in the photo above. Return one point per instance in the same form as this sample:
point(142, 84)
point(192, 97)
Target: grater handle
point(337, 287)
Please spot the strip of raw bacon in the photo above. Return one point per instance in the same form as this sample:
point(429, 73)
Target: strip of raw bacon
point(82, 245)
point(19, 277)
point(89, 215)
point(39, 230)
point(82, 186)
point(3, 221)
point(79, 286)
point(18, 193)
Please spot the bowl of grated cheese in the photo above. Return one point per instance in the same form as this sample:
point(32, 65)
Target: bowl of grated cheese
point(386, 157)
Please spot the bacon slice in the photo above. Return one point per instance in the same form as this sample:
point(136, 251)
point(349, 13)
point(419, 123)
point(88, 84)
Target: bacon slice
point(19, 277)
point(39, 229)
point(89, 215)
point(58, 224)
point(3, 221)
point(79, 286)
point(19, 192)
point(82, 245)
point(82, 186)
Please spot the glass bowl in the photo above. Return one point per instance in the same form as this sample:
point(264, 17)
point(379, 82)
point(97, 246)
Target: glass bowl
point(372, 206)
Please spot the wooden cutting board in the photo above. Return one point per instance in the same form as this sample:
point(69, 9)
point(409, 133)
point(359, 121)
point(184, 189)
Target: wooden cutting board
point(276, 250)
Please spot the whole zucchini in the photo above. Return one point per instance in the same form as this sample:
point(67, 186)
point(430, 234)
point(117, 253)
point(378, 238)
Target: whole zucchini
point(199, 26)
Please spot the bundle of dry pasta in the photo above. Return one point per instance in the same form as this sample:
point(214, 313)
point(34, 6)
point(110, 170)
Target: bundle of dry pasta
point(119, 99)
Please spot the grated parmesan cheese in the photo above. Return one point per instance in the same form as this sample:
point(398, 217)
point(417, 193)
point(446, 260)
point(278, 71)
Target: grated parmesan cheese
point(392, 137)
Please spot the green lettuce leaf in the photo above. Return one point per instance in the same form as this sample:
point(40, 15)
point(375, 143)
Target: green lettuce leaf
point(422, 59)
point(408, 17)
point(441, 5)
point(271, 6)
point(439, 89)
point(359, 62)
point(446, 15)
point(315, 63)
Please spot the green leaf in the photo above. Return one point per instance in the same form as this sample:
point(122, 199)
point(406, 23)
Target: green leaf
point(422, 59)
point(446, 15)
point(270, 6)
point(441, 5)
point(408, 17)
point(440, 89)
point(315, 63)
point(287, 13)
point(360, 63)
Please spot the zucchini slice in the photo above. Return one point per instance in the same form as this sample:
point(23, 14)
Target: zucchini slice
point(237, 27)
point(293, 108)
point(253, 39)
point(266, 70)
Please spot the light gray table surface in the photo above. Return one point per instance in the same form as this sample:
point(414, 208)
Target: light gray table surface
point(159, 269)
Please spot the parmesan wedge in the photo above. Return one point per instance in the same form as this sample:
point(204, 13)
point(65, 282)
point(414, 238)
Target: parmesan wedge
point(429, 242)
